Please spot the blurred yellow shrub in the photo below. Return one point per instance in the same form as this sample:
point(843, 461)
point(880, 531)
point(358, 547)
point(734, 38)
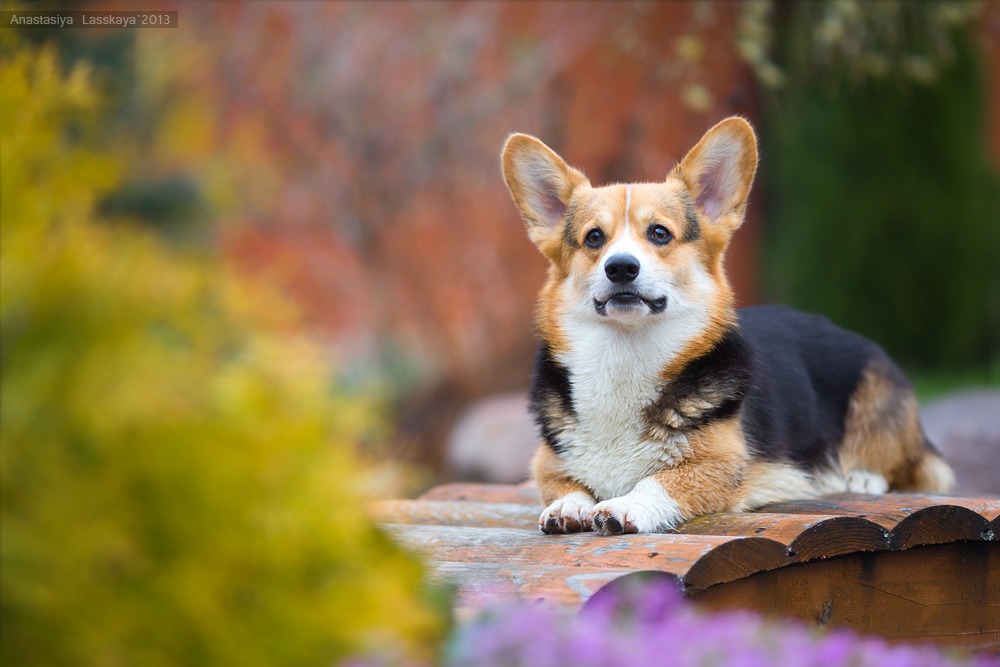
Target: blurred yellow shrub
point(176, 487)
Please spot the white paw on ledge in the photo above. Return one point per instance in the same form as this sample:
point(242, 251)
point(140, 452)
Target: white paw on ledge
point(646, 509)
point(570, 514)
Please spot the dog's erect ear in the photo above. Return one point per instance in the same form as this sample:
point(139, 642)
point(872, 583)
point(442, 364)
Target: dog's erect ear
point(719, 171)
point(541, 184)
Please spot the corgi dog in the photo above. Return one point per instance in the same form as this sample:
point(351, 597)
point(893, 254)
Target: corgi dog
point(657, 400)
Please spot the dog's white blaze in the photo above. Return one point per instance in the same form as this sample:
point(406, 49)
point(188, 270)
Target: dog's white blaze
point(614, 372)
point(628, 245)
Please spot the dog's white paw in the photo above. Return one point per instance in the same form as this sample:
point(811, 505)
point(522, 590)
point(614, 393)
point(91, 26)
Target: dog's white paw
point(570, 514)
point(646, 509)
point(863, 481)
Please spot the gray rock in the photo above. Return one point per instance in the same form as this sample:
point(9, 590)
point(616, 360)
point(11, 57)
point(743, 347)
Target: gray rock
point(493, 441)
point(965, 427)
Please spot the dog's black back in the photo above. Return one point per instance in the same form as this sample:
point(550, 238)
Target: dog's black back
point(804, 370)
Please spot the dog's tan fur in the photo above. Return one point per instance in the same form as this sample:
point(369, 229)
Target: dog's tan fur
point(883, 435)
point(710, 477)
point(551, 478)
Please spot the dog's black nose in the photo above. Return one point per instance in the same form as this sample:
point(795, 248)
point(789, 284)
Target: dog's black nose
point(622, 268)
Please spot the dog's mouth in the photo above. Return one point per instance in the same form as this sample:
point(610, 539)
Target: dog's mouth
point(627, 301)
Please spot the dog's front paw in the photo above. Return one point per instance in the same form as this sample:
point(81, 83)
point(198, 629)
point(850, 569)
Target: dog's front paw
point(646, 509)
point(569, 514)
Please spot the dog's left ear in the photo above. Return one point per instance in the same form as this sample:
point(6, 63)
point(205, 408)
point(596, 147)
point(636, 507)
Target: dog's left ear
point(718, 173)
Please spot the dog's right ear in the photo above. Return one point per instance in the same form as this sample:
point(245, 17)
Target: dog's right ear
point(542, 184)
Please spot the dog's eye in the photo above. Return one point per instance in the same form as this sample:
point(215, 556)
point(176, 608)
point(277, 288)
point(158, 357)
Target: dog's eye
point(660, 235)
point(594, 238)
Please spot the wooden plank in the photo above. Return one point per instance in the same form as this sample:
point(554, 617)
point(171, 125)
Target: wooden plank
point(558, 588)
point(985, 505)
point(736, 559)
point(806, 536)
point(455, 513)
point(898, 505)
point(696, 559)
point(945, 594)
point(524, 494)
point(826, 559)
point(919, 518)
point(670, 553)
point(940, 524)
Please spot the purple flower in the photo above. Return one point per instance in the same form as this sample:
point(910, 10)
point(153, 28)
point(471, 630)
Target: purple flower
point(646, 622)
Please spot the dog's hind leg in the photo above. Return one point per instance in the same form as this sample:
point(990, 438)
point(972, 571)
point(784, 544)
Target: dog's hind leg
point(884, 446)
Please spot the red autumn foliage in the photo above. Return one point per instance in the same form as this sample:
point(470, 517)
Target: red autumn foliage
point(391, 224)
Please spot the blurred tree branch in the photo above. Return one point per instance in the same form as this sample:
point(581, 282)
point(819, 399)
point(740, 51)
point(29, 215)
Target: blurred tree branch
point(789, 43)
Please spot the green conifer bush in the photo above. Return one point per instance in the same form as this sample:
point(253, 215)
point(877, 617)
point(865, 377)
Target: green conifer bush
point(177, 479)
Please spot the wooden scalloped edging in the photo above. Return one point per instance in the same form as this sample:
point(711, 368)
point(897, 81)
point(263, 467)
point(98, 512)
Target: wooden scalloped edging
point(484, 539)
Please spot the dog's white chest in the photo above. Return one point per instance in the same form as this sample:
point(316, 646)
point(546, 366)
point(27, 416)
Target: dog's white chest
point(613, 378)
